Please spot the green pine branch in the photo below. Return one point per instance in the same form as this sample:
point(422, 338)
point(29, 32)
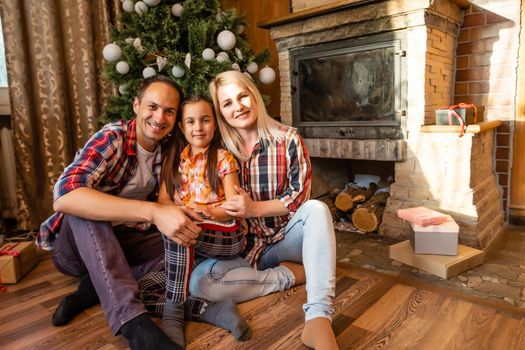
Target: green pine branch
point(161, 34)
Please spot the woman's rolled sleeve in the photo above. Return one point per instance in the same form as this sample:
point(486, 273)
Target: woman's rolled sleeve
point(299, 172)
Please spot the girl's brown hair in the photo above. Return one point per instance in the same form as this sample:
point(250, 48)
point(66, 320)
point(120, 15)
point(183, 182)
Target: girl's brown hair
point(170, 175)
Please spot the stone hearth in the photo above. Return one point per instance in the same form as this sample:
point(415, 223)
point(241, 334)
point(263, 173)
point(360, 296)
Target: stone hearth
point(438, 170)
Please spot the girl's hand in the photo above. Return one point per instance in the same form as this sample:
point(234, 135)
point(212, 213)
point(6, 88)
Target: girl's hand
point(240, 205)
point(176, 199)
point(204, 213)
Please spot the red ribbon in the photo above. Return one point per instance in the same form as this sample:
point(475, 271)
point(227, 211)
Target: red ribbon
point(452, 112)
point(7, 251)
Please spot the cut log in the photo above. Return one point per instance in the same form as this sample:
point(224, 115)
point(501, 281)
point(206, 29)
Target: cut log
point(345, 199)
point(365, 195)
point(368, 215)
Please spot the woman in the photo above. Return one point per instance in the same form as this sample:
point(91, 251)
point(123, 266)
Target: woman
point(285, 226)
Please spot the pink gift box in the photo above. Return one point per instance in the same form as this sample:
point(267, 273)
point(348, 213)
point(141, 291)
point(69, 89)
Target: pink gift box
point(421, 216)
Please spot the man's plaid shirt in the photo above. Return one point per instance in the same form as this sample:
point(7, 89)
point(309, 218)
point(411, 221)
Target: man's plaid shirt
point(106, 163)
point(275, 170)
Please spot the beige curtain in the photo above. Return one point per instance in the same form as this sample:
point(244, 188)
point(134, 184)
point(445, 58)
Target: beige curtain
point(54, 63)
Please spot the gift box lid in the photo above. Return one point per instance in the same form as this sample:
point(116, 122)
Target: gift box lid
point(449, 226)
point(421, 215)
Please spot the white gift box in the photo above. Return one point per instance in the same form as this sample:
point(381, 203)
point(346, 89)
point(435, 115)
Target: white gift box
point(440, 239)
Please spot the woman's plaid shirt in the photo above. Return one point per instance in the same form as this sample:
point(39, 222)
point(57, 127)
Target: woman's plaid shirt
point(279, 170)
point(107, 162)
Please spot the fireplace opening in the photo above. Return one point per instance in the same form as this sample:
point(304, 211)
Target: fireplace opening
point(331, 174)
point(352, 88)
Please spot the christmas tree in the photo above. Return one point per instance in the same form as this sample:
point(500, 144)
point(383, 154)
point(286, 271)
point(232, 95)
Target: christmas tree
point(189, 41)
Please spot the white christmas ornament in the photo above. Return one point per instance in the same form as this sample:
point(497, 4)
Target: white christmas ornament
point(187, 60)
point(129, 40)
point(252, 67)
point(176, 10)
point(161, 62)
point(177, 71)
point(122, 89)
point(238, 52)
point(226, 40)
point(122, 67)
point(222, 57)
point(152, 2)
point(128, 6)
point(236, 67)
point(141, 8)
point(148, 72)
point(137, 43)
point(267, 75)
point(208, 54)
point(111, 52)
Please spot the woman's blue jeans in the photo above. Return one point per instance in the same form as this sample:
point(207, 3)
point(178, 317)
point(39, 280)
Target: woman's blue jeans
point(309, 239)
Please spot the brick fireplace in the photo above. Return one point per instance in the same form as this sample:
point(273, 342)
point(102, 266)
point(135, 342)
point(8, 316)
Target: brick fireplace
point(433, 168)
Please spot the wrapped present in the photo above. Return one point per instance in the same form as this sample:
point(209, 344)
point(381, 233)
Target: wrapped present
point(421, 216)
point(439, 239)
point(16, 260)
point(440, 265)
point(462, 114)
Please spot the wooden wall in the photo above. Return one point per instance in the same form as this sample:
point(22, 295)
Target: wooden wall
point(259, 39)
point(517, 198)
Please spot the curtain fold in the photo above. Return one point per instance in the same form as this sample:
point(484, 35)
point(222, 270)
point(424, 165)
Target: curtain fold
point(54, 68)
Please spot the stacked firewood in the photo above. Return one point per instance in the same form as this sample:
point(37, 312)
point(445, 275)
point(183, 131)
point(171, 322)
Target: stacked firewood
point(362, 206)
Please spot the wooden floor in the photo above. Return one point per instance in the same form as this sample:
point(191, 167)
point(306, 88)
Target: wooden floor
point(374, 311)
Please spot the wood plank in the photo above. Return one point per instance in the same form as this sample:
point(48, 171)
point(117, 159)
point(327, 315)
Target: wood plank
point(337, 5)
point(373, 310)
point(517, 186)
point(410, 332)
point(400, 298)
point(471, 129)
point(448, 324)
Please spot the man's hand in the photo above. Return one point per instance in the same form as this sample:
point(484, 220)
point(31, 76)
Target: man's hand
point(240, 205)
point(176, 224)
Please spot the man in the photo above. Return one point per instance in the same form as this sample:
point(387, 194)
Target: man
point(105, 229)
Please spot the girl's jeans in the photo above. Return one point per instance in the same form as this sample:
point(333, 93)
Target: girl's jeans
point(309, 239)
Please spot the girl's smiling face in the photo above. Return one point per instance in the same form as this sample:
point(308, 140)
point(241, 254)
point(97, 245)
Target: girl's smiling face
point(198, 125)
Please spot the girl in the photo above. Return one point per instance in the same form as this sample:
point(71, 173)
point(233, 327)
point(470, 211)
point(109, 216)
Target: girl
point(284, 225)
point(201, 177)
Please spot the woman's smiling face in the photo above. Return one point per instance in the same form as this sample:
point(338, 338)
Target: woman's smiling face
point(238, 106)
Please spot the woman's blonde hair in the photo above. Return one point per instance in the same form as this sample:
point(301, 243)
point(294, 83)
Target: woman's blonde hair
point(267, 127)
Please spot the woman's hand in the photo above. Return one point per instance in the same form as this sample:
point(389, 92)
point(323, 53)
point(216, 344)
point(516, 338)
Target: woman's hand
point(240, 205)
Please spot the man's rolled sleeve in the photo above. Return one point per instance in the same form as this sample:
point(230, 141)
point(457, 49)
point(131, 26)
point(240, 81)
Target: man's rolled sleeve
point(90, 165)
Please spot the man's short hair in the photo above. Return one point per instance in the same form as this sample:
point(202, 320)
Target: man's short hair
point(157, 79)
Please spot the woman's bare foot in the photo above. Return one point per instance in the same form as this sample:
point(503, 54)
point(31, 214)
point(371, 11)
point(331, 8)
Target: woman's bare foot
point(318, 334)
point(297, 270)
